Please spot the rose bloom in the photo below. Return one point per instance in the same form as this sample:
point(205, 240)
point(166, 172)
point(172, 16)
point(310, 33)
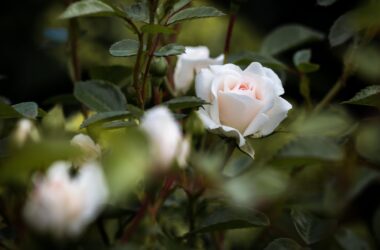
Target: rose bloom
point(63, 205)
point(165, 137)
point(91, 150)
point(242, 103)
point(191, 62)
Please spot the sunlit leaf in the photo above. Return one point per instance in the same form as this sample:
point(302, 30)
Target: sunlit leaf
point(194, 13)
point(86, 8)
point(100, 95)
point(104, 116)
point(288, 37)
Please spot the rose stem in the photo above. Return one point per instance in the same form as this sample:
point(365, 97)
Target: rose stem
point(227, 44)
point(102, 232)
point(136, 220)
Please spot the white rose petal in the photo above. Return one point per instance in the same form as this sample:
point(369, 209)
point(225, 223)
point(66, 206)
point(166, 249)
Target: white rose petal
point(243, 102)
point(164, 133)
point(191, 62)
point(25, 129)
point(64, 205)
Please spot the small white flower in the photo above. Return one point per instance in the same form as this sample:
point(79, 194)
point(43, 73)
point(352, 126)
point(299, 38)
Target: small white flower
point(164, 134)
point(63, 205)
point(191, 62)
point(243, 103)
point(91, 150)
point(25, 130)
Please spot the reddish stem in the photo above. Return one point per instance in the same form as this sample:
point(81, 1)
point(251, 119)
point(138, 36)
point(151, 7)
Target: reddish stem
point(227, 43)
point(136, 221)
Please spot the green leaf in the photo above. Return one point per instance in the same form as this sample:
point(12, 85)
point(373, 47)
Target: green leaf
point(104, 117)
point(100, 96)
point(127, 47)
point(283, 244)
point(301, 60)
point(113, 73)
point(288, 37)
point(7, 111)
point(194, 13)
point(342, 30)
point(349, 240)
point(367, 142)
point(64, 99)
point(171, 49)
point(157, 29)
point(310, 227)
point(313, 148)
point(138, 12)
point(326, 2)
point(179, 5)
point(27, 109)
point(225, 218)
point(302, 56)
point(366, 61)
point(184, 102)
point(87, 8)
point(369, 96)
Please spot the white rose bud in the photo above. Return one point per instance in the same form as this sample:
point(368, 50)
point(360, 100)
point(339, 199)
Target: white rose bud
point(25, 130)
point(91, 150)
point(243, 103)
point(191, 62)
point(164, 134)
point(63, 205)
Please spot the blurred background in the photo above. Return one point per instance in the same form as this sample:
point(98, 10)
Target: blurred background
point(33, 49)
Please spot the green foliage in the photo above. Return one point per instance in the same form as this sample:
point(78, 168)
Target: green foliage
point(171, 49)
point(283, 244)
point(104, 117)
point(367, 142)
point(87, 8)
point(369, 96)
point(114, 73)
point(138, 11)
point(342, 30)
point(288, 37)
point(225, 218)
point(157, 29)
point(246, 57)
point(310, 227)
point(301, 60)
point(100, 95)
point(125, 47)
point(184, 102)
point(27, 109)
point(194, 13)
point(326, 2)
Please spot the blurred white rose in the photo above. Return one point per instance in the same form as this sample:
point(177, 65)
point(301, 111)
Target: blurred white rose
point(91, 150)
point(63, 205)
point(165, 136)
point(25, 130)
point(242, 103)
point(191, 62)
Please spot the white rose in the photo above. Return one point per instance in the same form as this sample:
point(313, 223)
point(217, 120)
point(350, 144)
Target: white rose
point(63, 205)
point(242, 103)
point(165, 136)
point(91, 150)
point(191, 62)
point(25, 130)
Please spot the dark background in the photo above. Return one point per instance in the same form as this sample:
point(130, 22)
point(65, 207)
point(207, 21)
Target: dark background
point(29, 73)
